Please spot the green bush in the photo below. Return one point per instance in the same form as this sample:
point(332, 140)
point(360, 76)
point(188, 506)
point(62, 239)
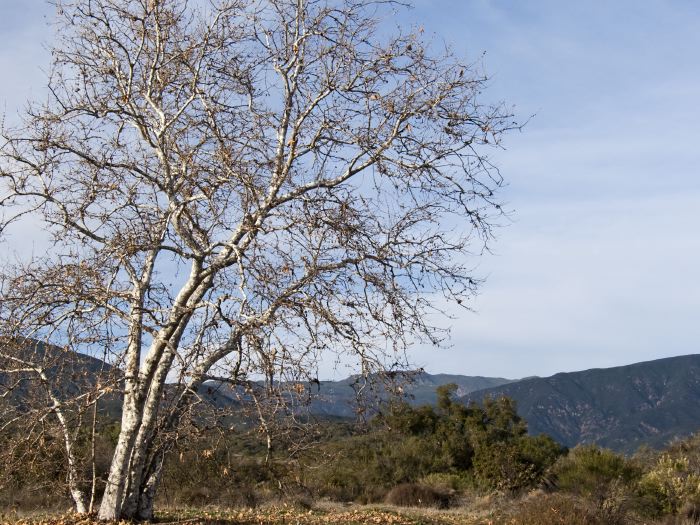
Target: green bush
point(670, 485)
point(500, 467)
point(515, 464)
point(449, 482)
point(600, 475)
point(486, 445)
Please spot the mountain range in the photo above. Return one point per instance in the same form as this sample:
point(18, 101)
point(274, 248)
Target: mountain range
point(337, 398)
point(621, 408)
point(648, 403)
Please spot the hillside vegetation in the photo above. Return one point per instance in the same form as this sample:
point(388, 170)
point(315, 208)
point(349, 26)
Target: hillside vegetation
point(448, 463)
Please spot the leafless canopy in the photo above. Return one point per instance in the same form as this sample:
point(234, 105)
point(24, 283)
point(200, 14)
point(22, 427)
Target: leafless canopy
point(237, 189)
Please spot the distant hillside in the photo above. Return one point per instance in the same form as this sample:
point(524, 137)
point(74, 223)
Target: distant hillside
point(620, 408)
point(337, 398)
point(69, 374)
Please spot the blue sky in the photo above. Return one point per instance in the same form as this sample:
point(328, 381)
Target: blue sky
point(600, 265)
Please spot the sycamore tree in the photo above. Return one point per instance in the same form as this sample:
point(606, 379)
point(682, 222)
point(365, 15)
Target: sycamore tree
point(234, 190)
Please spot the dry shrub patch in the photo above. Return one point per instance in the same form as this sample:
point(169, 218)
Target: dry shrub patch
point(415, 495)
point(553, 509)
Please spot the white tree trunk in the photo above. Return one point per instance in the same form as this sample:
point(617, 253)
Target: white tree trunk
point(141, 401)
point(148, 491)
point(111, 505)
point(79, 497)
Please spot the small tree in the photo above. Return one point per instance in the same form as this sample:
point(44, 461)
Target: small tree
point(51, 396)
point(235, 190)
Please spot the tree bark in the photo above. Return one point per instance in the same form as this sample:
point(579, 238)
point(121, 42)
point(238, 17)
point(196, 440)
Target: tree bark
point(147, 494)
point(138, 468)
point(111, 505)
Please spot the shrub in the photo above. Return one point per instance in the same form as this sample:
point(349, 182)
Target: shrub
point(515, 464)
point(447, 482)
point(415, 495)
point(670, 485)
point(595, 473)
point(500, 467)
point(554, 508)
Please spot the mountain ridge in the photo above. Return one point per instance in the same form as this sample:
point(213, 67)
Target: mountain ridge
point(336, 398)
point(646, 403)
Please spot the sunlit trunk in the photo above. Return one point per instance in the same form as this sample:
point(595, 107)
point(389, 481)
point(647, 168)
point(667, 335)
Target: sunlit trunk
point(111, 506)
point(79, 497)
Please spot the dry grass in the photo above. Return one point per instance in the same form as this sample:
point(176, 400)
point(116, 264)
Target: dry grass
point(534, 509)
point(322, 514)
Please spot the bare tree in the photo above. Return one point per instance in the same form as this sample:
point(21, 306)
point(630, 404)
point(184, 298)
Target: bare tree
point(237, 189)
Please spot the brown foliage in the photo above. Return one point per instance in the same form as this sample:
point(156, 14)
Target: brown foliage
point(554, 509)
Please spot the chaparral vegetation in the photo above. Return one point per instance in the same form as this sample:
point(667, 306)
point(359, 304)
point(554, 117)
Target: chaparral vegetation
point(442, 464)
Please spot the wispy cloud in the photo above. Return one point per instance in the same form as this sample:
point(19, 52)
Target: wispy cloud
point(601, 265)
